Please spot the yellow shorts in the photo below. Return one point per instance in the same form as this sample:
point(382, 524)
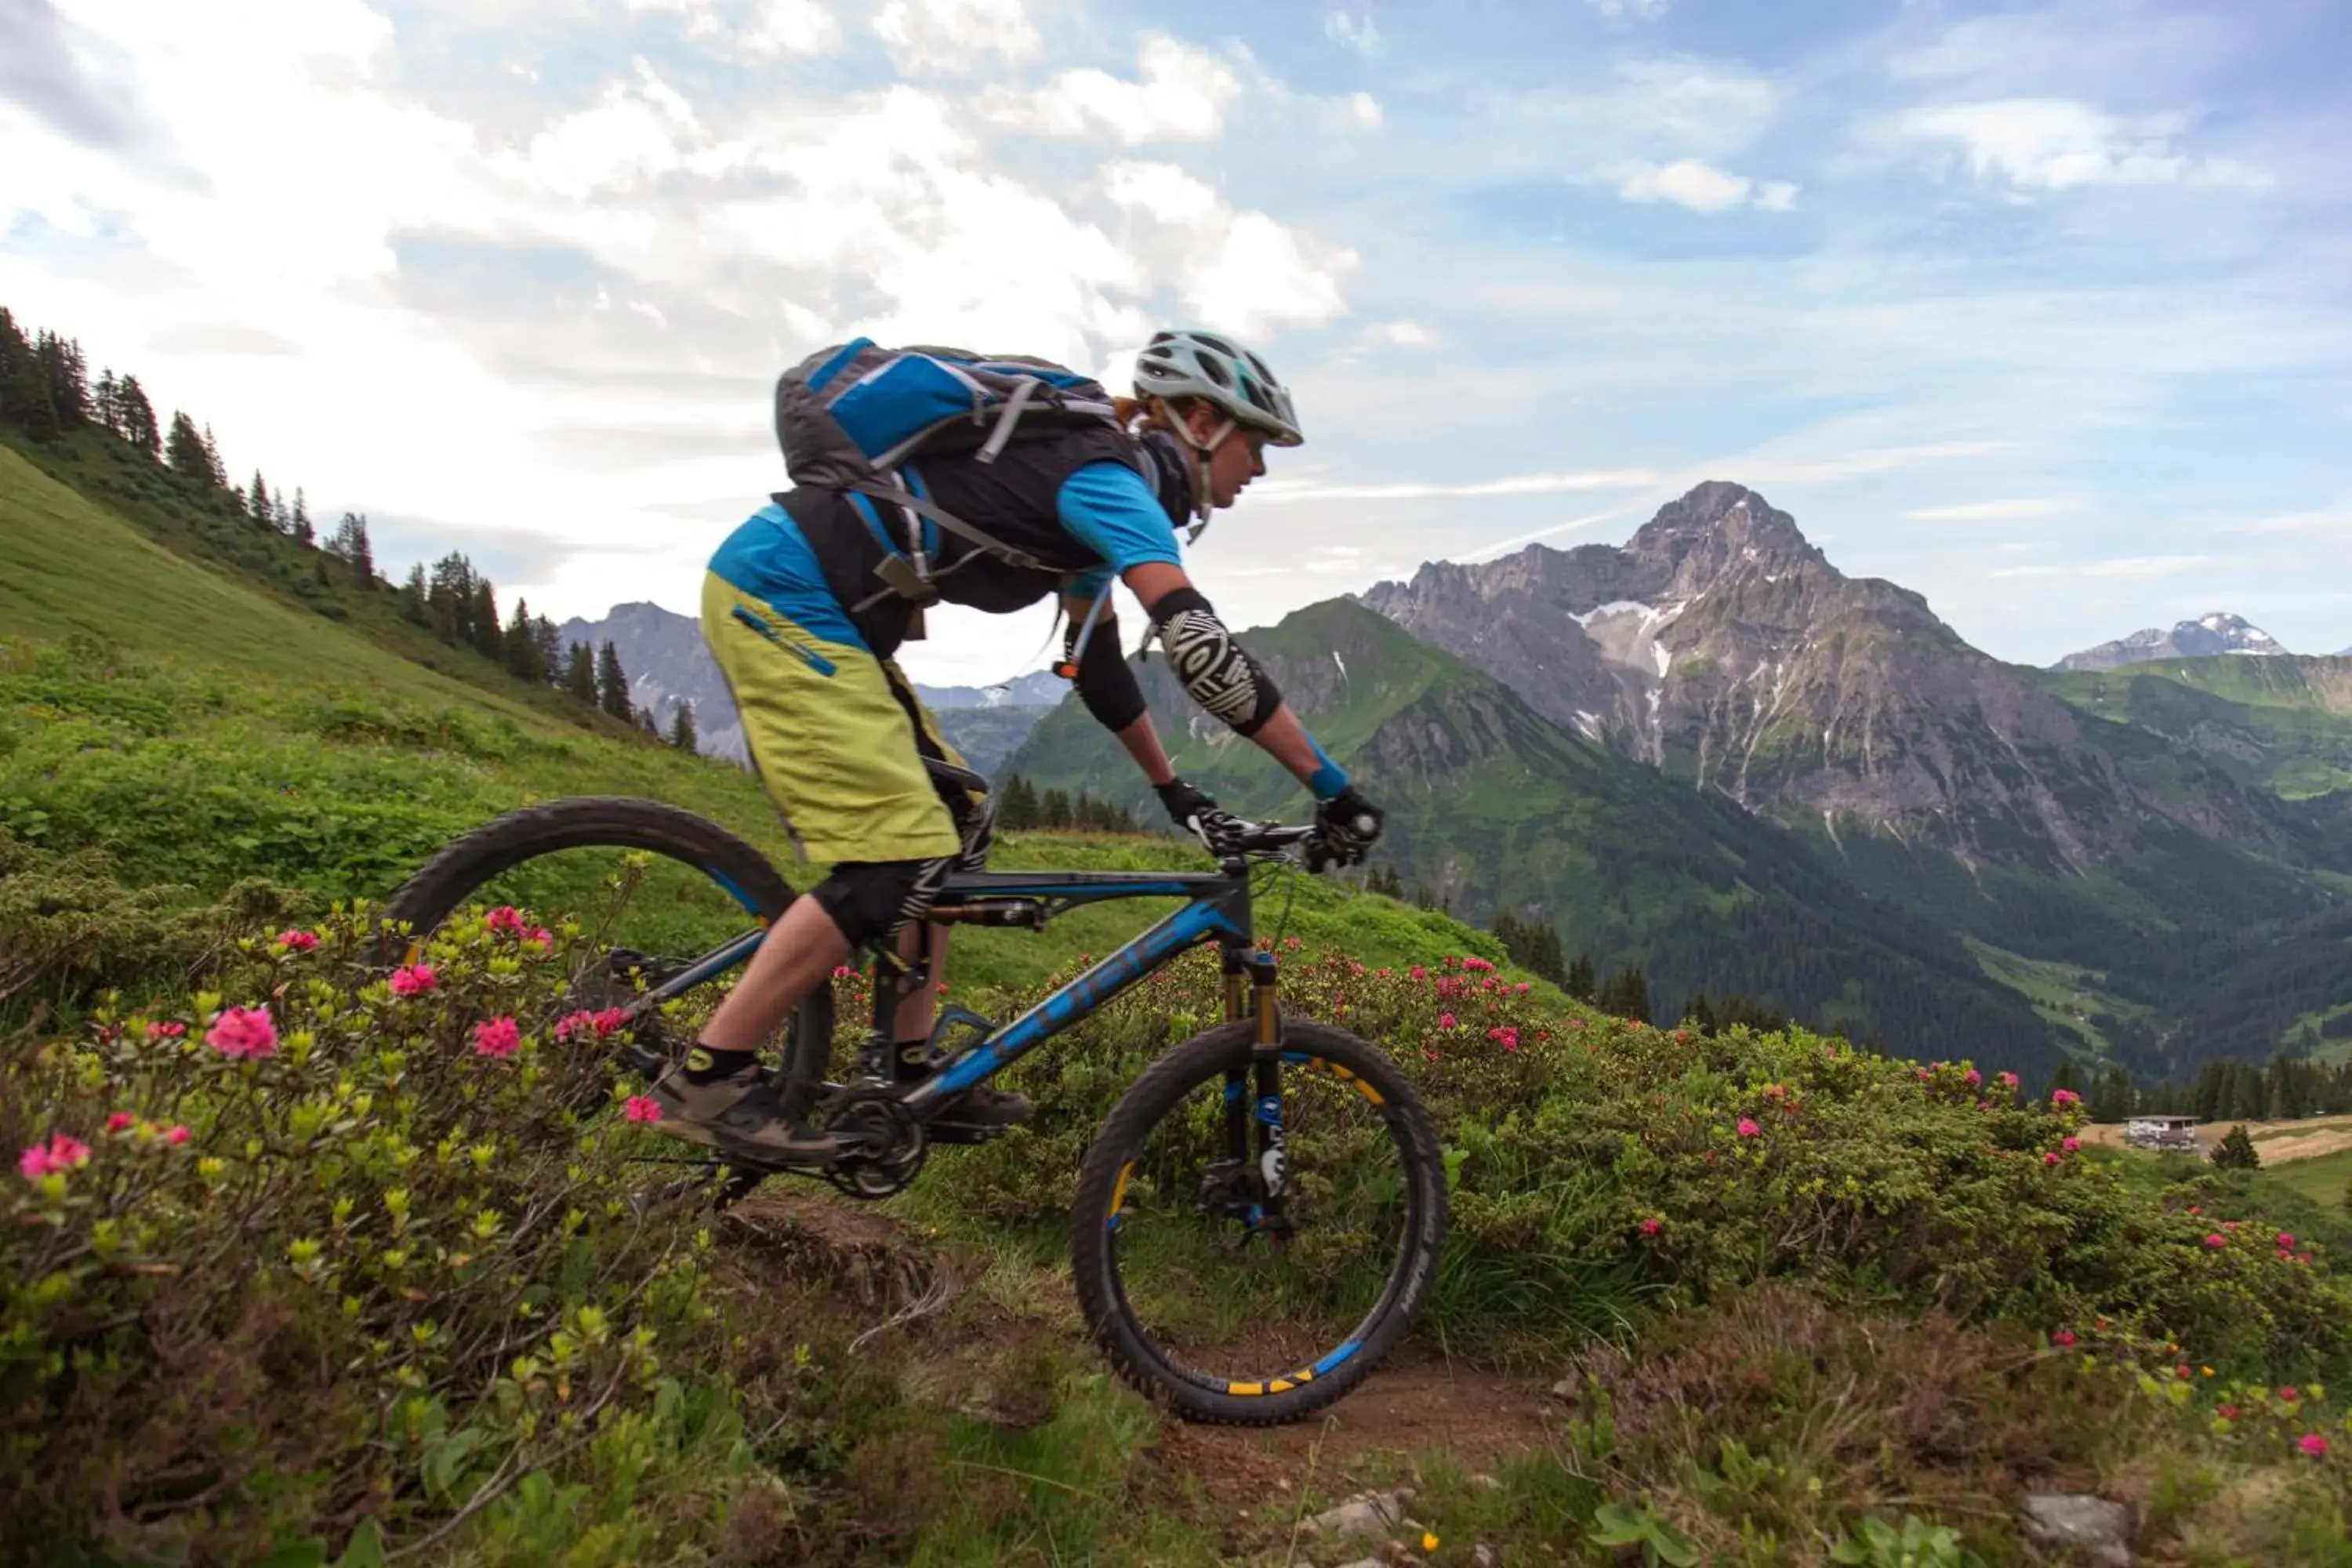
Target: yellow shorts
point(832, 731)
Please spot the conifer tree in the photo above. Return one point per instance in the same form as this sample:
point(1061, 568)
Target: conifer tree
point(1580, 979)
point(214, 467)
point(412, 597)
point(302, 530)
point(184, 451)
point(2236, 1152)
point(138, 416)
point(1016, 805)
point(257, 502)
point(520, 646)
point(1054, 809)
point(612, 682)
point(681, 727)
point(579, 674)
point(482, 623)
point(549, 641)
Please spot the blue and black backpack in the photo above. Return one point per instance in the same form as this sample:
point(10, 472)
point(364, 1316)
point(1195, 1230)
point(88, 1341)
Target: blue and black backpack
point(849, 417)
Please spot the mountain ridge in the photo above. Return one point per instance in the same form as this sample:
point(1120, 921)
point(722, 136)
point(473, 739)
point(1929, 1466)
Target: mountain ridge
point(2216, 632)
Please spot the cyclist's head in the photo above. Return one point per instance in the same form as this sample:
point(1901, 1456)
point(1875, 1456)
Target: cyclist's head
point(1219, 399)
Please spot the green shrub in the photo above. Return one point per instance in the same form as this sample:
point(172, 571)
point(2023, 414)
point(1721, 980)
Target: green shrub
point(302, 1252)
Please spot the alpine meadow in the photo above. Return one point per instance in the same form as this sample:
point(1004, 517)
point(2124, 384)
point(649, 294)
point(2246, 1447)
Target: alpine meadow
point(1020, 783)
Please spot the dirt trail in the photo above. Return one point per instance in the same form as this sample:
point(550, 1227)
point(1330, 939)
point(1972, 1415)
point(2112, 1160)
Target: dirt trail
point(1421, 1401)
point(1417, 1402)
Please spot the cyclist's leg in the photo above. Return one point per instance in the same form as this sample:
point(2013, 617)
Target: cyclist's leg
point(975, 819)
point(830, 745)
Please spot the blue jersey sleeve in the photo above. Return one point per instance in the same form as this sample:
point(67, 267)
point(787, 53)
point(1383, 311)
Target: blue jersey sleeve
point(1107, 508)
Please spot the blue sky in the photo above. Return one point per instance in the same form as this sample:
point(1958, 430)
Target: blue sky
point(2044, 311)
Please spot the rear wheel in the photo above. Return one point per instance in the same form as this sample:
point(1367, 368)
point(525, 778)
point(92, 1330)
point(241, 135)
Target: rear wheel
point(1242, 1299)
point(654, 889)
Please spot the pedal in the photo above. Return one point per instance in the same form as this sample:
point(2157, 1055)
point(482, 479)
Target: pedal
point(963, 1134)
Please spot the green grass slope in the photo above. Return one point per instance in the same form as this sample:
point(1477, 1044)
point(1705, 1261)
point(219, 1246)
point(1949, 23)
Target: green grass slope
point(1499, 809)
point(2282, 724)
point(194, 728)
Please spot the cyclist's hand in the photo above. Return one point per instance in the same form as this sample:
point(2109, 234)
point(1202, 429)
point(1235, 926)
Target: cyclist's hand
point(1196, 810)
point(1350, 825)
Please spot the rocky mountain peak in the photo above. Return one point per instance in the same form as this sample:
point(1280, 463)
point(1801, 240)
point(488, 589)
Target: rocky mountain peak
point(2217, 631)
point(1717, 530)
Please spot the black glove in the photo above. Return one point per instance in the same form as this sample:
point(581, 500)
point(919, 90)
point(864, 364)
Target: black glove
point(1194, 810)
point(1350, 825)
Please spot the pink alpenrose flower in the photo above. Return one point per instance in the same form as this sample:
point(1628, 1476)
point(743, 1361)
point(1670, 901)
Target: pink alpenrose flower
point(244, 1033)
point(499, 1037)
point(641, 1107)
point(414, 980)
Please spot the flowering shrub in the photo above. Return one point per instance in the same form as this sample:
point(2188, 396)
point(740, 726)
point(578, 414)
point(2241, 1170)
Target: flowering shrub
point(399, 1210)
point(1602, 1165)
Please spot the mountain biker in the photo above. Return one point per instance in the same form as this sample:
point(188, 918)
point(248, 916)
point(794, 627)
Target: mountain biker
point(839, 739)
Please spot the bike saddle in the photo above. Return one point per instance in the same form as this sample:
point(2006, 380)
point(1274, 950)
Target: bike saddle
point(962, 778)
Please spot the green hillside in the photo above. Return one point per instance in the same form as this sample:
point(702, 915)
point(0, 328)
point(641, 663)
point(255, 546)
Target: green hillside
point(531, 1366)
point(193, 729)
point(1495, 808)
point(2283, 723)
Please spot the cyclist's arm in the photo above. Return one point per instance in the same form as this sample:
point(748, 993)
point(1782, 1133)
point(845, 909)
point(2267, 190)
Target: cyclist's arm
point(1109, 508)
point(1108, 687)
point(1225, 680)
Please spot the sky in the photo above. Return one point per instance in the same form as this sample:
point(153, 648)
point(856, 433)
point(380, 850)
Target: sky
point(2044, 311)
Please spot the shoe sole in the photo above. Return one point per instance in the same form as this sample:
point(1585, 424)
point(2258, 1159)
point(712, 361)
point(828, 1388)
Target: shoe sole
point(690, 1132)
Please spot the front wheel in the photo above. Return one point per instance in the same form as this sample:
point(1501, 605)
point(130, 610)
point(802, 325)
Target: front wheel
point(1252, 1237)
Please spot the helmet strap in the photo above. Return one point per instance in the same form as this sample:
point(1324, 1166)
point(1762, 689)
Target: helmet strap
point(1203, 452)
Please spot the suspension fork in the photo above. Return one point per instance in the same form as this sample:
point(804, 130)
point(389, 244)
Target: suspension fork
point(1253, 1094)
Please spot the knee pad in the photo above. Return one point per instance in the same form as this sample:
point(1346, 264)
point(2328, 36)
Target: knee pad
point(871, 899)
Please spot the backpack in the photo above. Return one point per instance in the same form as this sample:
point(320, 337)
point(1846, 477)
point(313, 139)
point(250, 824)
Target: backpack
point(849, 417)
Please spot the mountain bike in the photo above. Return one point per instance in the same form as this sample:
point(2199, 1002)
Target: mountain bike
point(1257, 1222)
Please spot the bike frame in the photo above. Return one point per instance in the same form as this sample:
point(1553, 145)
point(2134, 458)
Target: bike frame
point(1218, 909)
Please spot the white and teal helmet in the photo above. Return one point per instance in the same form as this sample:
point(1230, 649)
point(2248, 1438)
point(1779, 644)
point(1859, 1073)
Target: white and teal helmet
point(1187, 362)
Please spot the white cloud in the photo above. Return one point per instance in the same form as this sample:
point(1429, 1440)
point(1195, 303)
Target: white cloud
point(1358, 33)
point(792, 27)
point(2332, 522)
point(956, 37)
point(1240, 270)
point(2056, 143)
point(1703, 187)
point(1362, 109)
point(1180, 95)
point(1769, 469)
point(771, 26)
point(2017, 509)
point(1641, 10)
point(1268, 492)
point(2114, 566)
point(1404, 334)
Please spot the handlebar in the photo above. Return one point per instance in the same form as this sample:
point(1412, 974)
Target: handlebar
point(1269, 841)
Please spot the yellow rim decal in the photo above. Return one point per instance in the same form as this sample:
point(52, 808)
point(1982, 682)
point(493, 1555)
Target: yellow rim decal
point(1362, 1086)
point(1279, 1386)
point(1118, 1193)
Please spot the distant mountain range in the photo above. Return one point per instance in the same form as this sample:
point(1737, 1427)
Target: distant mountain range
point(1974, 837)
point(2218, 633)
point(666, 662)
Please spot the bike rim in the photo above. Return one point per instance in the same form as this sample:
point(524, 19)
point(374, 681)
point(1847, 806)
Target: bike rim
point(1218, 1298)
